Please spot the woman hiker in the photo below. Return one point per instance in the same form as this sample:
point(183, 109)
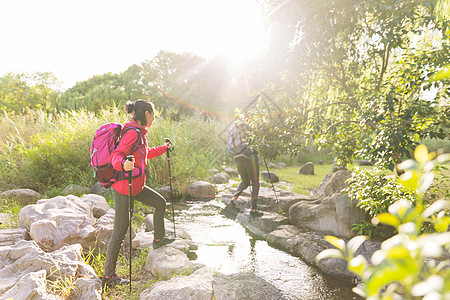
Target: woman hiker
point(143, 116)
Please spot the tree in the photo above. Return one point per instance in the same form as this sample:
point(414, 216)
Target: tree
point(356, 75)
point(94, 94)
point(19, 92)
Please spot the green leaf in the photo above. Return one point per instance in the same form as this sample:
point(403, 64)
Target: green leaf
point(388, 219)
point(421, 154)
point(357, 265)
point(435, 207)
point(355, 243)
point(432, 283)
point(409, 180)
point(443, 158)
point(330, 253)
point(443, 74)
point(338, 243)
point(442, 224)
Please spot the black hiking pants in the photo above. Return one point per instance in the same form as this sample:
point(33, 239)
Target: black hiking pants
point(121, 222)
point(248, 169)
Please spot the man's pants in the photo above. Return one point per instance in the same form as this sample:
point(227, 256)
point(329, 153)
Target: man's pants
point(249, 171)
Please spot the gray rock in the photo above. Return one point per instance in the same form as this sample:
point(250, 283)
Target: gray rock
point(201, 191)
point(165, 192)
point(24, 269)
point(281, 165)
point(104, 229)
point(22, 196)
point(365, 162)
point(334, 215)
point(164, 261)
point(263, 224)
point(230, 171)
point(320, 162)
point(308, 245)
point(31, 286)
point(269, 177)
point(283, 203)
point(244, 286)
point(336, 168)
point(271, 166)
point(98, 189)
point(197, 286)
point(220, 178)
point(333, 183)
point(65, 220)
point(307, 169)
point(9, 237)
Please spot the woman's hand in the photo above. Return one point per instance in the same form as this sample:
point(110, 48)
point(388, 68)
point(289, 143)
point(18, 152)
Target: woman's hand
point(128, 165)
point(168, 144)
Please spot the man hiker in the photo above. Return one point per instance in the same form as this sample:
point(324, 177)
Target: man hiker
point(246, 160)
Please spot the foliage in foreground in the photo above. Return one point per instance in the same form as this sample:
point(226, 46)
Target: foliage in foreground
point(411, 263)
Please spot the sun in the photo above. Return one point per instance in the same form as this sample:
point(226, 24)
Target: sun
point(232, 28)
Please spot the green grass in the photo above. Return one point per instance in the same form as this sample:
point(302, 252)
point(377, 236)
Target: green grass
point(304, 184)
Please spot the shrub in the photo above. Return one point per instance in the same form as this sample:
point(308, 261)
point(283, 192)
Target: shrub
point(411, 264)
point(374, 190)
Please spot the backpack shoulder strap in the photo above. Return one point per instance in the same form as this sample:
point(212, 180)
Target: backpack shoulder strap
point(139, 139)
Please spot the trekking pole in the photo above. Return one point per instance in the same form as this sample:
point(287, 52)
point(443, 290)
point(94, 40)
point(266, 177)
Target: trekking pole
point(268, 172)
point(130, 211)
point(170, 184)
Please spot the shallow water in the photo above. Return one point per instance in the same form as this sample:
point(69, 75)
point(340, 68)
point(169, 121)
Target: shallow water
point(225, 246)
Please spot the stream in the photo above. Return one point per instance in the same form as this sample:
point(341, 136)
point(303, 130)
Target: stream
point(225, 246)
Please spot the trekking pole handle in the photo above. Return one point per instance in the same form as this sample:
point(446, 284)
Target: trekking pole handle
point(171, 144)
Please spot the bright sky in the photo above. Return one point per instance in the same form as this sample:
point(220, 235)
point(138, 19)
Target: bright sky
point(76, 39)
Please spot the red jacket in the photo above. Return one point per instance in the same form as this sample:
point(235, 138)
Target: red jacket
point(141, 155)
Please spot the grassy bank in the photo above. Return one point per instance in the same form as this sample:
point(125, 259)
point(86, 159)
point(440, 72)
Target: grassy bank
point(46, 153)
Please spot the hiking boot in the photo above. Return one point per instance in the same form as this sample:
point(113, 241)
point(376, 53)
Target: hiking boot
point(255, 213)
point(112, 281)
point(162, 242)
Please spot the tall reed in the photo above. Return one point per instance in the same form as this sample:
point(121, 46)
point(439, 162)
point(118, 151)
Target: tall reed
point(47, 152)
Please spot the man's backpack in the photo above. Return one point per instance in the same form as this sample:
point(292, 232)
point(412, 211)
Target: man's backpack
point(236, 140)
point(106, 139)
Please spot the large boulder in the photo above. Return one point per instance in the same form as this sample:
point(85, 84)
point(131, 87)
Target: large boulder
point(98, 189)
point(308, 244)
point(168, 194)
point(9, 237)
point(25, 269)
point(269, 177)
point(263, 224)
point(201, 191)
point(164, 261)
point(281, 165)
point(22, 196)
point(197, 286)
point(245, 286)
point(307, 169)
point(333, 183)
point(230, 171)
point(63, 220)
point(220, 178)
point(334, 215)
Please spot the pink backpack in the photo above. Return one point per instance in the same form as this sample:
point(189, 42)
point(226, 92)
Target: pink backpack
point(106, 139)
